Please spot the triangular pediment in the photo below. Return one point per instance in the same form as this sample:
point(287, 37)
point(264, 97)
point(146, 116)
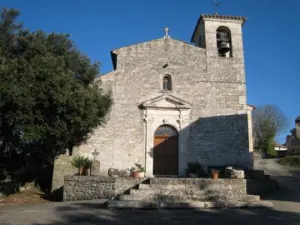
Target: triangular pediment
point(166, 101)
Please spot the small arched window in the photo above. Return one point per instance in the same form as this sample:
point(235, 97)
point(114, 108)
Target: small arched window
point(167, 83)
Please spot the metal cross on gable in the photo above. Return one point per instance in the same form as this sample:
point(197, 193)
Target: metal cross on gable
point(95, 153)
point(167, 30)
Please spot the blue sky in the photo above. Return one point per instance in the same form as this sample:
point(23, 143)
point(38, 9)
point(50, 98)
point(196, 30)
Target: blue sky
point(271, 35)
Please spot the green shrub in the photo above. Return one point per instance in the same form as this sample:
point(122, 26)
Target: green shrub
point(293, 161)
point(81, 162)
point(140, 167)
point(271, 149)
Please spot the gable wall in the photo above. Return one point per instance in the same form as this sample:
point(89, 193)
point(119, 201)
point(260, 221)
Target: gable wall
point(212, 90)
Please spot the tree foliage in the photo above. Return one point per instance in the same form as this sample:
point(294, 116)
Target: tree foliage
point(268, 121)
point(49, 100)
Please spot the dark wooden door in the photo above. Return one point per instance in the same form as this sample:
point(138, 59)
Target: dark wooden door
point(165, 155)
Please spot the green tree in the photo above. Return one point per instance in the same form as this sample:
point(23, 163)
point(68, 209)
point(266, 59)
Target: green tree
point(268, 121)
point(50, 100)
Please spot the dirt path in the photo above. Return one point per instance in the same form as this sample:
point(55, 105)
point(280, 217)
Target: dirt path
point(286, 211)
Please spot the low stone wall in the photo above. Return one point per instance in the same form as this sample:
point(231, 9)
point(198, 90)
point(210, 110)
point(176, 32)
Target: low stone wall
point(100, 187)
point(96, 187)
point(10, 187)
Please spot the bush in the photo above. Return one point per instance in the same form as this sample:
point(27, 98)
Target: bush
point(81, 162)
point(271, 148)
point(293, 161)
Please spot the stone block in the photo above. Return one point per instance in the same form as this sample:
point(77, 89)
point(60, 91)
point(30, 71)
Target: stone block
point(232, 173)
point(95, 168)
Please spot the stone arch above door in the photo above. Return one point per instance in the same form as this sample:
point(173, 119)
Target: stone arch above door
point(166, 110)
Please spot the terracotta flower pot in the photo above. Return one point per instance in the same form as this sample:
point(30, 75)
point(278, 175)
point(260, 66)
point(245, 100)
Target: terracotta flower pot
point(135, 174)
point(215, 174)
point(141, 174)
point(82, 171)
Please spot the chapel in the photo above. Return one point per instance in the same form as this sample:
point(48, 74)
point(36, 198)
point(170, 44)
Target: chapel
point(176, 102)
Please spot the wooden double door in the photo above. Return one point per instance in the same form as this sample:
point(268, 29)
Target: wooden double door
point(165, 152)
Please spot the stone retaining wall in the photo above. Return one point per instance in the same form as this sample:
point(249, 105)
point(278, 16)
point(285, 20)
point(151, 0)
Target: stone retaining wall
point(96, 187)
point(100, 187)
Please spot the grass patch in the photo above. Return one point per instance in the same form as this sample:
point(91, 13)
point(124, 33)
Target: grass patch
point(293, 161)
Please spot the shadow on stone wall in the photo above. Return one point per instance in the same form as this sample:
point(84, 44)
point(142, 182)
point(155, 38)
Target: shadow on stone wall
point(216, 142)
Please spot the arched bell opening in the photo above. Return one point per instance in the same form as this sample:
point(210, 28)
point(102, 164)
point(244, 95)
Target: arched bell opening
point(165, 151)
point(224, 43)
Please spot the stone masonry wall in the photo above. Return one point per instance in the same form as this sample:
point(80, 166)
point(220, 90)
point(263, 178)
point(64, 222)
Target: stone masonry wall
point(215, 88)
point(95, 187)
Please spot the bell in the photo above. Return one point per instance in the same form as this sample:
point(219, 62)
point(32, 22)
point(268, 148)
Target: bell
point(223, 43)
point(222, 36)
point(223, 47)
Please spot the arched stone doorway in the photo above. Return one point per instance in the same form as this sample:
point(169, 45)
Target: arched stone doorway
point(165, 151)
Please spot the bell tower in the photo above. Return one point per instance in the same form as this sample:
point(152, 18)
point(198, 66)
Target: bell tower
point(220, 35)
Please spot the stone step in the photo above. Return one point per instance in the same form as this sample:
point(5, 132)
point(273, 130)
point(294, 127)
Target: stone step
point(187, 205)
point(133, 204)
point(201, 193)
point(183, 195)
point(188, 187)
point(162, 186)
point(155, 191)
point(178, 198)
point(236, 185)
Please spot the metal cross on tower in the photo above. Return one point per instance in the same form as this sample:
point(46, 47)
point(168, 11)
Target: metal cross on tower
point(167, 30)
point(95, 153)
point(216, 4)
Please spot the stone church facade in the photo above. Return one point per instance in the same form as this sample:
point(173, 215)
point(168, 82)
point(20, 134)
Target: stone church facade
point(176, 102)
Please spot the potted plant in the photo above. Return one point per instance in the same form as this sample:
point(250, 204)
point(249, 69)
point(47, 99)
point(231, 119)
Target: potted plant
point(215, 174)
point(196, 170)
point(81, 163)
point(138, 171)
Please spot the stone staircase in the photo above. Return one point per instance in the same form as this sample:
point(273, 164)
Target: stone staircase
point(188, 193)
point(259, 183)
